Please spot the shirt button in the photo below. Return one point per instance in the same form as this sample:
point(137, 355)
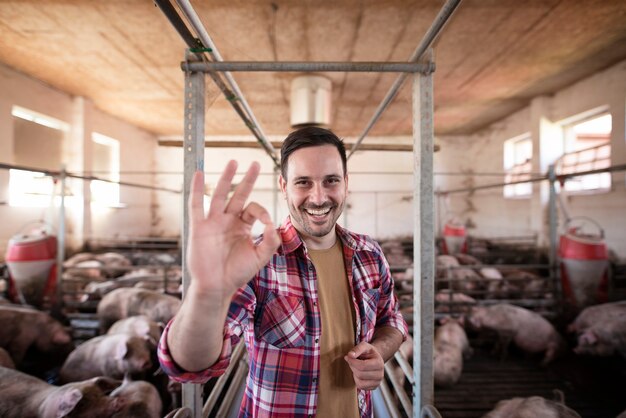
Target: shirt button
point(311, 268)
point(317, 340)
point(314, 379)
point(314, 303)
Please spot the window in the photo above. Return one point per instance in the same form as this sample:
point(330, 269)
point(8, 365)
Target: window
point(587, 147)
point(105, 165)
point(37, 144)
point(518, 153)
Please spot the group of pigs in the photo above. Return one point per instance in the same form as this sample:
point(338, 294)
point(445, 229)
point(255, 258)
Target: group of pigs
point(600, 330)
point(90, 276)
point(111, 375)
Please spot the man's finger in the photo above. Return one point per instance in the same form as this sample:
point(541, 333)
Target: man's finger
point(218, 198)
point(239, 197)
point(196, 197)
point(254, 211)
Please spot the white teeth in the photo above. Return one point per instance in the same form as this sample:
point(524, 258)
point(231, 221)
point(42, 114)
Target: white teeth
point(318, 212)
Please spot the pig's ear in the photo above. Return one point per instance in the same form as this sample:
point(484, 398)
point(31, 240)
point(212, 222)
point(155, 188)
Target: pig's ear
point(62, 403)
point(121, 350)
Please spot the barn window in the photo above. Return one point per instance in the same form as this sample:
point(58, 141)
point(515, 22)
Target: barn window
point(518, 153)
point(105, 165)
point(37, 144)
point(587, 147)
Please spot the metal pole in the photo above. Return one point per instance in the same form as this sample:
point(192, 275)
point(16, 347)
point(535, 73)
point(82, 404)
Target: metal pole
point(553, 219)
point(440, 21)
point(301, 66)
point(193, 160)
point(424, 241)
point(197, 25)
point(58, 305)
point(275, 192)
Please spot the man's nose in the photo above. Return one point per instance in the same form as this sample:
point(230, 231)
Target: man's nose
point(318, 194)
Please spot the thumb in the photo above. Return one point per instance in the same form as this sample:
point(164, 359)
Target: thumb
point(271, 240)
point(359, 350)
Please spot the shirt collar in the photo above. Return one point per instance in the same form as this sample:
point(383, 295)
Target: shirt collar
point(292, 241)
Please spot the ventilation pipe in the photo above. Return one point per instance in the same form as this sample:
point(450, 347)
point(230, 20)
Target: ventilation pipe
point(310, 101)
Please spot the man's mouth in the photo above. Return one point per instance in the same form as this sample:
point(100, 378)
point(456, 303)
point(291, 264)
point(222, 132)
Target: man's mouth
point(317, 212)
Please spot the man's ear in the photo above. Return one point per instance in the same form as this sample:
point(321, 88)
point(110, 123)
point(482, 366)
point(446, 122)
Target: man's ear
point(282, 183)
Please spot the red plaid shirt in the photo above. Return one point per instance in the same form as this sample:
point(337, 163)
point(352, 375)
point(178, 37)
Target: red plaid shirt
point(278, 315)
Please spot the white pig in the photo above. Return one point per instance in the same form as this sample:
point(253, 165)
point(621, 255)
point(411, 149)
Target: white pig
point(125, 302)
point(141, 398)
point(451, 345)
point(533, 407)
point(528, 330)
point(108, 355)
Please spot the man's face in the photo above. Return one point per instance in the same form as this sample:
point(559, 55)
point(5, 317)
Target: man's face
point(315, 190)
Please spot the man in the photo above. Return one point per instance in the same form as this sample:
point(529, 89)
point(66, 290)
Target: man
point(319, 317)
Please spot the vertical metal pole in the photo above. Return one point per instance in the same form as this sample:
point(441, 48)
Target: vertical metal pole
point(276, 193)
point(193, 160)
point(424, 240)
point(58, 305)
point(552, 219)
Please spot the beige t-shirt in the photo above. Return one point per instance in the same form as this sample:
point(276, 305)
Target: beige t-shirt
point(337, 396)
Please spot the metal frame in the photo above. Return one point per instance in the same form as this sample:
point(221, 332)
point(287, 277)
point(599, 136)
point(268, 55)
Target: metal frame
point(423, 147)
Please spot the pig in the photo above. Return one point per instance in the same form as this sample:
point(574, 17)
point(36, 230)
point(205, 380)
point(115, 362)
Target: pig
point(24, 328)
point(528, 284)
point(113, 264)
point(141, 399)
point(125, 302)
point(112, 355)
point(498, 287)
point(446, 301)
point(451, 345)
point(25, 396)
point(603, 339)
point(598, 313)
point(6, 360)
point(532, 407)
point(443, 264)
point(464, 279)
point(138, 326)
point(467, 260)
point(528, 330)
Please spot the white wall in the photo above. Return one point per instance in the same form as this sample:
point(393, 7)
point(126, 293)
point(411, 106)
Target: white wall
point(377, 203)
point(136, 154)
point(482, 152)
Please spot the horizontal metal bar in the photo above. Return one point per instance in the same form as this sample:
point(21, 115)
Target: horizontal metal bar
point(302, 66)
point(559, 177)
point(57, 174)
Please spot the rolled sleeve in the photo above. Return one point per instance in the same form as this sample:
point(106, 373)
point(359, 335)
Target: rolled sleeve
point(388, 312)
point(178, 374)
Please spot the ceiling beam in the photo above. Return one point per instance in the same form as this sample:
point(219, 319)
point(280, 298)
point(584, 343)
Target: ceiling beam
point(276, 144)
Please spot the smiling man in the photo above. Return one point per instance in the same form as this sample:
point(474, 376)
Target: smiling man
point(313, 301)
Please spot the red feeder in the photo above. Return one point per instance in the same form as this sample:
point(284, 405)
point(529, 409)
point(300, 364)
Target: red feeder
point(584, 265)
point(31, 259)
point(454, 238)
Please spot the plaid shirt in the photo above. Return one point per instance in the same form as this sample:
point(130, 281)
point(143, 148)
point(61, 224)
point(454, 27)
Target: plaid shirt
point(278, 315)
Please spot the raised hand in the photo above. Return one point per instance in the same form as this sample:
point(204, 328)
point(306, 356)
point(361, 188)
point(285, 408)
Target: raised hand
point(221, 255)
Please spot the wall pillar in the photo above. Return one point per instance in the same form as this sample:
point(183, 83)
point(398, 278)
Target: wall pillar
point(618, 140)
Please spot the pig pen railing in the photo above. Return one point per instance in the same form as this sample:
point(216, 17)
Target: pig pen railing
point(225, 396)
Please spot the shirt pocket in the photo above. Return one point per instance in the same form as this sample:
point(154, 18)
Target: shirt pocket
point(282, 321)
point(371, 297)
